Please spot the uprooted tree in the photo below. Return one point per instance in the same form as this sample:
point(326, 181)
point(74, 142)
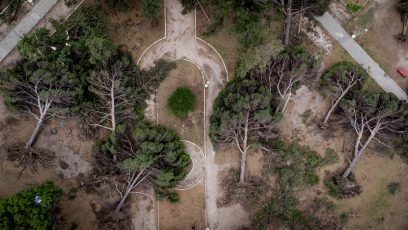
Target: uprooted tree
point(241, 110)
point(378, 115)
point(120, 90)
point(286, 71)
point(402, 7)
point(338, 81)
point(39, 90)
point(150, 155)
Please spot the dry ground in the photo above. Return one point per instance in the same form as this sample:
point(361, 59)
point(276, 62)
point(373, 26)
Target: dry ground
point(188, 212)
point(189, 128)
point(380, 42)
point(132, 32)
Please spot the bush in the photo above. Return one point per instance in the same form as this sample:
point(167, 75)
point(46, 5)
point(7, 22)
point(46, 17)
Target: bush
point(181, 102)
point(171, 197)
point(344, 218)
point(31, 208)
point(394, 187)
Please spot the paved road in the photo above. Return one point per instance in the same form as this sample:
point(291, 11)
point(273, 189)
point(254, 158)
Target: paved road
point(360, 56)
point(25, 26)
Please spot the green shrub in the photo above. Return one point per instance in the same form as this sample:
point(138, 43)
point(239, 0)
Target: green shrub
point(401, 148)
point(171, 197)
point(344, 218)
point(393, 188)
point(181, 102)
point(334, 190)
point(31, 208)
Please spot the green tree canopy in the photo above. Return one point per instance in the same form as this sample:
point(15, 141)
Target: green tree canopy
point(181, 101)
point(39, 89)
point(149, 154)
point(338, 80)
point(31, 208)
point(241, 110)
point(152, 10)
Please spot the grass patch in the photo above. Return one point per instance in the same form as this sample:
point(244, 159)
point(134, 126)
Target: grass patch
point(353, 8)
point(371, 85)
point(181, 102)
point(305, 116)
point(366, 18)
point(393, 188)
point(377, 206)
point(344, 218)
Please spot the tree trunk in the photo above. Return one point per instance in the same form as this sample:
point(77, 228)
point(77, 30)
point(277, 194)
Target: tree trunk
point(35, 133)
point(326, 119)
point(287, 24)
point(359, 153)
point(244, 150)
point(286, 103)
point(242, 174)
point(113, 106)
point(348, 170)
point(405, 24)
point(122, 201)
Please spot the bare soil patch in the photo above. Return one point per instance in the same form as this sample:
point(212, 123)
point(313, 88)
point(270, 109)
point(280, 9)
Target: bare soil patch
point(188, 212)
point(132, 32)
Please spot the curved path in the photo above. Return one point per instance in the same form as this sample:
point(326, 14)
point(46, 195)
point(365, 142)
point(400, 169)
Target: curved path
point(180, 42)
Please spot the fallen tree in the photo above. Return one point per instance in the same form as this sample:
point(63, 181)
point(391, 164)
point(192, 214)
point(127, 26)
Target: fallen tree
point(149, 155)
point(338, 80)
point(380, 115)
point(40, 90)
point(241, 110)
point(284, 72)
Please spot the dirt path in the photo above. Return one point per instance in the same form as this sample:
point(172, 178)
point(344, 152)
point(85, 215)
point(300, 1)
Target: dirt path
point(180, 42)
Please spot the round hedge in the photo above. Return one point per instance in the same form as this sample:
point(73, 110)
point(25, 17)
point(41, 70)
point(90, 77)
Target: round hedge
point(181, 102)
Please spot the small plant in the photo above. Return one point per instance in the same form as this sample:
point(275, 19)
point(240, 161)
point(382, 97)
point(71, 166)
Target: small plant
point(305, 116)
point(72, 193)
point(181, 102)
point(393, 188)
point(63, 164)
point(344, 218)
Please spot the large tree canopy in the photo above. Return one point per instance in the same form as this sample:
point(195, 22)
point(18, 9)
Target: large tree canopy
point(338, 80)
point(31, 208)
point(147, 155)
point(39, 89)
point(240, 110)
point(285, 71)
point(378, 115)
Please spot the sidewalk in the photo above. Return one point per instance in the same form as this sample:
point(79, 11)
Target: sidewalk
point(361, 57)
point(25, 26)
